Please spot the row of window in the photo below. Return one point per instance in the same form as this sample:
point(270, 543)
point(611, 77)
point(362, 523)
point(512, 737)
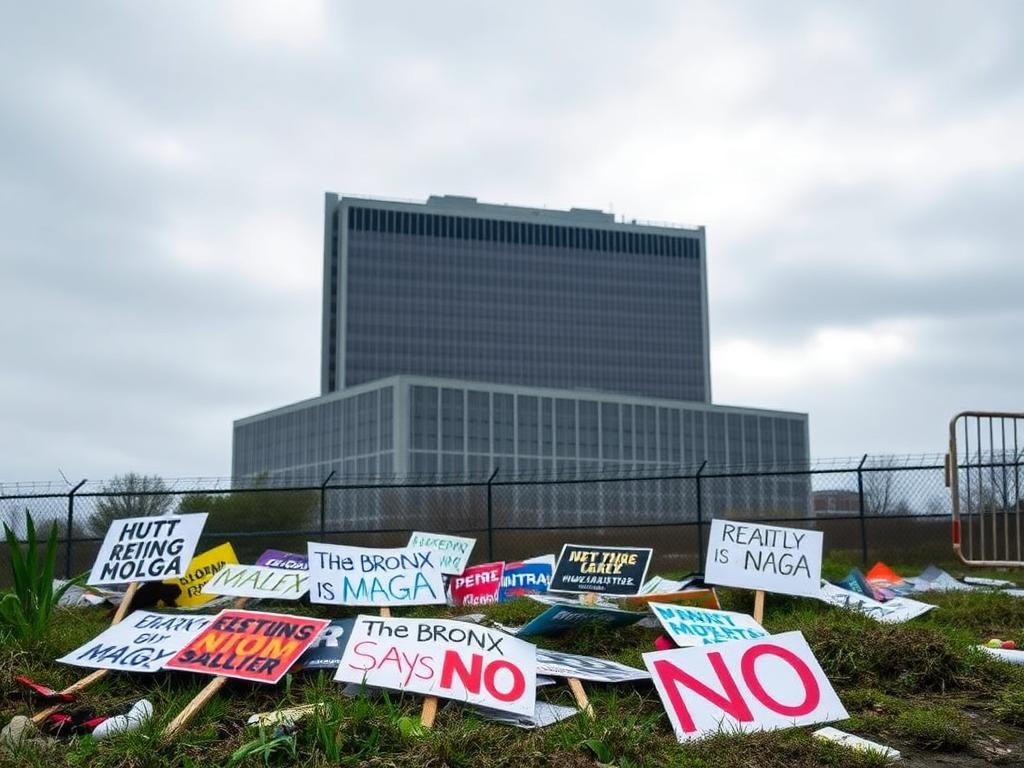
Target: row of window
point(520, 233)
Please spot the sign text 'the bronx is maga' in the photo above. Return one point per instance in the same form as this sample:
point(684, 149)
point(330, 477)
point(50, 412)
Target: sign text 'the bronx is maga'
point(341, 575)
point(765, 557)
point(439, 657)
point(147, 548)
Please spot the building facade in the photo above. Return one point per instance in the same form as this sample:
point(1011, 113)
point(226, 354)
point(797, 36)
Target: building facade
point(460, 339)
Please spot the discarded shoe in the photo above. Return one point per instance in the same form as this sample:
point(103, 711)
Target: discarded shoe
point(132, 720)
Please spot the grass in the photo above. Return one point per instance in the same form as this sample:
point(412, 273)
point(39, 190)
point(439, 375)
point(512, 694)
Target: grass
point(920, 687)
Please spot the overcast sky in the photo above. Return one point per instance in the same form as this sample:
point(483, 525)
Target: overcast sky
point(859, 168)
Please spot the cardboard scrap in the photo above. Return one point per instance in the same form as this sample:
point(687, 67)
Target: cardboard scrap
point(893, 611)
point(829, 733)
point(283, 716)
point(544, 714)
point(1010, 656)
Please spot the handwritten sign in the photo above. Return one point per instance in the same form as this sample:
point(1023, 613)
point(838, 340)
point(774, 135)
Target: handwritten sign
point(452, 551)
point(200, 570)
point(765, 557)
point(275, 558)
point(437, 657)
point(248, 645)
point(477, 585)
point(558, 664)
point(747, 685)
point(326, 651)
point(895, 611)
point(526, 577)
point(147, 548)
point(258, 581)
point(699, 626)
point(142, 642)
point(602, 570)
point(341, 575)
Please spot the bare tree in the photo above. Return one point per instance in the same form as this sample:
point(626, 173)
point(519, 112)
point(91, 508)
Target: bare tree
point(130, 495)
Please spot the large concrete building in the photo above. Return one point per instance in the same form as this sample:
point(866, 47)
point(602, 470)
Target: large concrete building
point(460, 337)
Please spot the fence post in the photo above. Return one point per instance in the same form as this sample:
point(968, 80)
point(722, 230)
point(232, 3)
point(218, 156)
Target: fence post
point(700, 520)
point(863, 522)
point(490, 517)
point(323, 504)
point(70, 530)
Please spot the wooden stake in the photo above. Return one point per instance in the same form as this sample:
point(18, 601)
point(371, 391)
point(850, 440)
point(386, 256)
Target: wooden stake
point(581, 697)
point(99, 674)
point(429, 712)
point(759, 606)
point(199, 700)
point(385, 612)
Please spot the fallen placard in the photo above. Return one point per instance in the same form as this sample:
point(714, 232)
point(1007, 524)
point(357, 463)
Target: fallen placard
point(275, 558)
point(452, 552)
point(561, 617)
point(477, 585)
point(894, 611)
point(544, 714)
point(439, 657)
point(326, 652)
point(341, 575)
point(248, 645)
point(258, 581)
point(765, 558)
point(745, 685)
point(201, 569)
point(139, 643)
point(526, 577)
point(699, 626)
point(702, 598)
point(856, 742)
point(600, 570)
point(137, 549)
point(590, 668)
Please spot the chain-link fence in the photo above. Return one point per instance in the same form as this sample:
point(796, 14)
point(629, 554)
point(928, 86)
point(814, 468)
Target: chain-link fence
point(893, 508)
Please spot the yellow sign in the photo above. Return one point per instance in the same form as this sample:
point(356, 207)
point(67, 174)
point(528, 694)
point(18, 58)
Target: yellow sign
point(201, 570)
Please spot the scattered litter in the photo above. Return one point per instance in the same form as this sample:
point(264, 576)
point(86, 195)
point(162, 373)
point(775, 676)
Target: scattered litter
point(543, 714)
point(19, 732)
point(1009, 655)
point(993, 583)
point(44, 693)
point(132, 720)
point(283, 716)
point(855, 742)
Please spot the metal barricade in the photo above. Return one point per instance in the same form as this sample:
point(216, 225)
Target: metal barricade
point(985, 475)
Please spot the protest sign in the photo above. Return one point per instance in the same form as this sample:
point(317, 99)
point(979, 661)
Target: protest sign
point(201, 570)
point(258, 581)
point(895, 611)
point(326, 651)
point(699, 626)
point(544, 714)
point(561, 617)
point(452, 552)
point(477, 585)
point(601, 570)
point(147, 548)
point(746, 685)
point(526, 577)
point(248, 645)
point(659, 585)
point(764, 557)
point(438, 657)
point(560, 664)
point(139, 643)
point(340, 575)
point(275, 558)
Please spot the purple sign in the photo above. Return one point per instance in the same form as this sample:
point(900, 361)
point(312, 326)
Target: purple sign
point(275, 558)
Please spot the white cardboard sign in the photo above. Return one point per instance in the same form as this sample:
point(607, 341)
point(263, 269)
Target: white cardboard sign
point(258, 581)
point(702, 626)
point(439, 657)
point(341, 575)
point(147, 548)
point(895, 611)
point(745, 685)
point(452, 551)
point(558, 664)
point(142, 642)
point(765, 557)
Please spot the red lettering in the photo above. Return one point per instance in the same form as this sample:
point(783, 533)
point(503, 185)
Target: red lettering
point(518, 680)
point(370, 656)
point(731, 703)
point(812, 693)
point(452, 665)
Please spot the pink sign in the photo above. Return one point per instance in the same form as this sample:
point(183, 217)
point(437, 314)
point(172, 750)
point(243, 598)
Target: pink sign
point(477, 585)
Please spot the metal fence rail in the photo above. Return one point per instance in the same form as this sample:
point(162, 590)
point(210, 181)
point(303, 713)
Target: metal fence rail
point(885, 507)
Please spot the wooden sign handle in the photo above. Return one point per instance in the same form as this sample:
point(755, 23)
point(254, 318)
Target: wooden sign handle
point(759, 606)
point(430, 702)
point(199, 700)
point(99, 674)
point(581, 697)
